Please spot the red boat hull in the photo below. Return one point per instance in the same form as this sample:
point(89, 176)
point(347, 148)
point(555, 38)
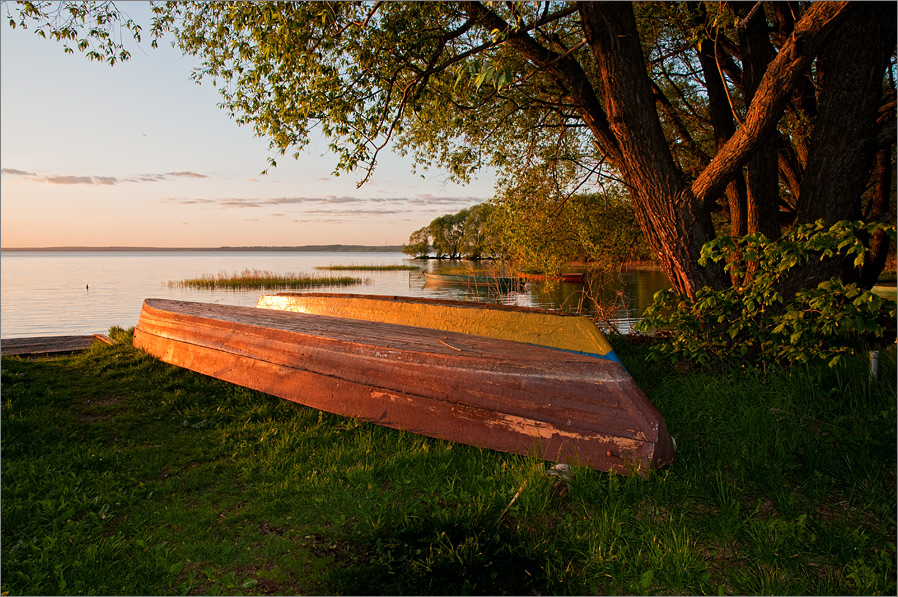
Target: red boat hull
point(496, 394)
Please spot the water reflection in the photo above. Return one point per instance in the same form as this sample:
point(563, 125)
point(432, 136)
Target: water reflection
point(617, 299)
point(45, 293)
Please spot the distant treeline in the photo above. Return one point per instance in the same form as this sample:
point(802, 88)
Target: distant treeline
point(299, 249)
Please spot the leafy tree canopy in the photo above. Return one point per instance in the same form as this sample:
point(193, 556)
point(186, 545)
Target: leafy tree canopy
point(769, 115)
point(541, 230)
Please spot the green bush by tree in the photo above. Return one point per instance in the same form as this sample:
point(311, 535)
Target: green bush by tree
point(539, 229)
point(754, 322)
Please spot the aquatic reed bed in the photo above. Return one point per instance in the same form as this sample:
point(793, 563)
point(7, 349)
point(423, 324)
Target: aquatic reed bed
point(368, 268)
point(251, 279)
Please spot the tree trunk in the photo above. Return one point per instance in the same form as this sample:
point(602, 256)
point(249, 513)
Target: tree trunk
point(762, 170)
point(843, 144)
point(721, 116)
point(850, 75)
point(880, 243)
point(675, 223)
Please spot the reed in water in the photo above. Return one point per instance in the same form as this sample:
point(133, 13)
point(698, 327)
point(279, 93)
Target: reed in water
point(368, 268)
point(250, 279)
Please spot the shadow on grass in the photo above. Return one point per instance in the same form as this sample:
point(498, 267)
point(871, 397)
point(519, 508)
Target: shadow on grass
point(455, 557)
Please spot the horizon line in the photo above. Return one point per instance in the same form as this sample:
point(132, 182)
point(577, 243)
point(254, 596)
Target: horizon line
point(219, 248)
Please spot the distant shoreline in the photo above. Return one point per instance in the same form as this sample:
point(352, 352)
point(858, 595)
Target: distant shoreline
point(296, 249)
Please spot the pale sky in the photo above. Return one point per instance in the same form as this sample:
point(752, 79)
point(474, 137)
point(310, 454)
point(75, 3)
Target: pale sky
point(137, 154)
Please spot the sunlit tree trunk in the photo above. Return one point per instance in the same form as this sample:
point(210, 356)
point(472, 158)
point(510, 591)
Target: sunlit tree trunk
point(675, 223)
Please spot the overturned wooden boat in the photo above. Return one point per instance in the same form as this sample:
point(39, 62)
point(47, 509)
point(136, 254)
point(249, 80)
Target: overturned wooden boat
point(564, 405)
point(541, 327)
point(886, 291)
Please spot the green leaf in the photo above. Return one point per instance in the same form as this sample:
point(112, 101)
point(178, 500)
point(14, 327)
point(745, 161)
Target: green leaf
point(645, 581)
point(176, 568)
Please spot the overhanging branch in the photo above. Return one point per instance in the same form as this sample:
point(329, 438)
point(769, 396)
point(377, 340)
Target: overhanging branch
point(772, 96)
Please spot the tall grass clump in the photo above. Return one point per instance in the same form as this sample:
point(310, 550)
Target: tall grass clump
point(252, 279)
point(125, 475)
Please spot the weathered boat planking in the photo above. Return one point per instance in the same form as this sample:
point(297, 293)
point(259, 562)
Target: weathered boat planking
point(498, 394)
point(564, 331)
point(49, 345)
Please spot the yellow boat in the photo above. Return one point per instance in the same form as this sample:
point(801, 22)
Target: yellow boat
point(575, 333)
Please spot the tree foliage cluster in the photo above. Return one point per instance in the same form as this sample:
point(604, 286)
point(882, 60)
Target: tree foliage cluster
point(754, 323)
point(534, 230)
point(538, 230)
point(452, 236)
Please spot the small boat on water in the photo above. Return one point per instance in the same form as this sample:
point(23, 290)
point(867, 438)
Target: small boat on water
point(569, 277)
point(573, 403)
point(475, 280)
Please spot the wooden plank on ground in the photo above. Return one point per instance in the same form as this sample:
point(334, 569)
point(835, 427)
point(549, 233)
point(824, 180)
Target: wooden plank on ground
point(49, 345)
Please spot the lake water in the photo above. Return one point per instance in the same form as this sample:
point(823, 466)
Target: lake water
point(70, 293)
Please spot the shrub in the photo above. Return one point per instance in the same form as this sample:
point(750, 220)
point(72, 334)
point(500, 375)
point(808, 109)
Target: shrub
point(752, 322)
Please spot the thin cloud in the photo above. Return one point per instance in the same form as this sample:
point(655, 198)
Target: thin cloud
point(68, 179)
point(71, 179)
point(186, 174)
point(426, 201)
point(148, 178)
point(352, 212)
point(323, 221)
point(178, 201)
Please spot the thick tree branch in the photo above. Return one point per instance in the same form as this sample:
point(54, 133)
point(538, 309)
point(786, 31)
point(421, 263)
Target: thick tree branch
point(682, 130)
point(567, 72)
point(773, 93)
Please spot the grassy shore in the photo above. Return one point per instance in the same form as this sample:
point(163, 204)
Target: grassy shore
point(251, 279)
point(124, 475)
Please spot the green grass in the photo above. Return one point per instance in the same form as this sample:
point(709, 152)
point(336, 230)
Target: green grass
point(250, 279)
point(369, 268)
point(124, 475)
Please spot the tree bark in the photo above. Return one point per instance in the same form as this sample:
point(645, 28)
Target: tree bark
point(844, 141)
point(762, 171)
point(850, 76)
point(721, 117)
point(879, 208)
point(774, 92)
point(675, 222)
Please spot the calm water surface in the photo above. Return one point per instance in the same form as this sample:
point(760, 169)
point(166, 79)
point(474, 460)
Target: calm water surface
point(62, 293)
